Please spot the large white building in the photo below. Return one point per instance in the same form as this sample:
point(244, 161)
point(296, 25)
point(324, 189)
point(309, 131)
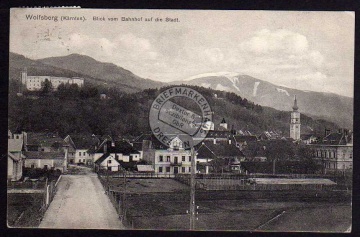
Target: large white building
point(35, 83)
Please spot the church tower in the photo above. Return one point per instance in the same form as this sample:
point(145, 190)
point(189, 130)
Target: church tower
point(224, 124)
point(295, 122)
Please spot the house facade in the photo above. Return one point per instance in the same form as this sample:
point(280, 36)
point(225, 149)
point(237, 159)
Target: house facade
point(35, 83)
point(121, 150)
point(15, 158)
point(169, 160)
point(53, 160)
point(107, 162)
point(80, 146)
point(335, 151)
point(46, 151)
point(209, 153)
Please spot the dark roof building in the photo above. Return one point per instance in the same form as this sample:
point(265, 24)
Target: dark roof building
point(45, 155)
point(121, 147)
point(220, 149)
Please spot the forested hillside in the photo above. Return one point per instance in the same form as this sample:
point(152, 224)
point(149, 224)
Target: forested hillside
point(73, 110)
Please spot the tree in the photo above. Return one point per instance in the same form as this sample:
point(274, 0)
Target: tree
point(306, 158)
point(46, 87)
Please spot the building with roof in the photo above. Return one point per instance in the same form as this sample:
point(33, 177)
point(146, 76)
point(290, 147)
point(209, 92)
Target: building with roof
point(122, 151)
point(227, 150)
point(242, 141)
point(35, 83)
point(169, 160)
point(46, 151)
point(308, 138)
point(55, 160)
point(107, 162)
point(15, 159)
point(335, 150)
point(80, 147)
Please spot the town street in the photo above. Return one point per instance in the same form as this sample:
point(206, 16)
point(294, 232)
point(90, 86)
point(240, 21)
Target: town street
point(81, 203)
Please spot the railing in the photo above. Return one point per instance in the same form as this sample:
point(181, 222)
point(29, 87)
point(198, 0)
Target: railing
point(175, 163)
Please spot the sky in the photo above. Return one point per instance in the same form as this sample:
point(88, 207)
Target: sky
point(301, 50)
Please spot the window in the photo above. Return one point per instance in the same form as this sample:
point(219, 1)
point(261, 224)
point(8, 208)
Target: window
point(160, 170)
point(45, 167)
point(79, 153)
point(350, 156)
point(183, 169)
point(109, 161)
point(189, 169)
point(17, 137)
point(32, 165)
point(189, 158)
point(183, 158)
point(84, 153)
point(168, 158)
point(167, 169)
point(161, 158)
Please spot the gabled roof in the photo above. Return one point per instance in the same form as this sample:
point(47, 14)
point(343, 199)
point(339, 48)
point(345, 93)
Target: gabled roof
point(83, 141)
point(15, 145)
point(104, 157)
point(245, 138)
point(45, 155)
point(44, 139)
point(335, 139)
point(121, 147)
point(208, 149)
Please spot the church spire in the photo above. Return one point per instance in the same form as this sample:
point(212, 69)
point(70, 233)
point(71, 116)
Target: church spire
point(295, 107)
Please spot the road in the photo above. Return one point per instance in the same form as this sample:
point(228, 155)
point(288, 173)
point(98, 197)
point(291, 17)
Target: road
point(81, 203)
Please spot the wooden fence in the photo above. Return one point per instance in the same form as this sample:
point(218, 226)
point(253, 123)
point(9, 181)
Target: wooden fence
point(32, 216)
point(242, 183)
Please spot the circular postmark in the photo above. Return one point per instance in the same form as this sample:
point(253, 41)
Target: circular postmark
point(181, 112)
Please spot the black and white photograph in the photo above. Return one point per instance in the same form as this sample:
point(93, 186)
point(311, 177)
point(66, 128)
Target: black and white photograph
point(183, 120)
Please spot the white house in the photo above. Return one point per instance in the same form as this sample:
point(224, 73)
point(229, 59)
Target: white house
point(79, 148)
point(122, 150)
point(172, 160)
point(107, 162)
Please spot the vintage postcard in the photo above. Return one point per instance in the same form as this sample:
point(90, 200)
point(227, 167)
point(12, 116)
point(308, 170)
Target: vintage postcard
point(180, 120)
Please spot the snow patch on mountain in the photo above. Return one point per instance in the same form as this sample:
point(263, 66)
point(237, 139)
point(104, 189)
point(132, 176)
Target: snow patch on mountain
point(213, 74)
point(256, 84)
point(283, 91)
point(234, 80)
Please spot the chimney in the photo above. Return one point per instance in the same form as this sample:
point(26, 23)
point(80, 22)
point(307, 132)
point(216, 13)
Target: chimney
point(105, 148)
point(214, 140)
point(229, 141)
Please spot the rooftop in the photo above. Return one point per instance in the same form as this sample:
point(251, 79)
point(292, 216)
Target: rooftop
point(44, 155)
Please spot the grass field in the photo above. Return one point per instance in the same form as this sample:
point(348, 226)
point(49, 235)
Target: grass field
point(23, 210)
point(163, 204)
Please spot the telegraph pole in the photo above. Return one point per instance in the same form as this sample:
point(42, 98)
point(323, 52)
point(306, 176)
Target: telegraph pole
point(192, 190)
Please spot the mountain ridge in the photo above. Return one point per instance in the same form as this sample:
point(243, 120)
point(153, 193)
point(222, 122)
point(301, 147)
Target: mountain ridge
point(329, 106)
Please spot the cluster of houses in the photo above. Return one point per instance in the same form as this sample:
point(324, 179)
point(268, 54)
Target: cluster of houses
point(146, 154)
